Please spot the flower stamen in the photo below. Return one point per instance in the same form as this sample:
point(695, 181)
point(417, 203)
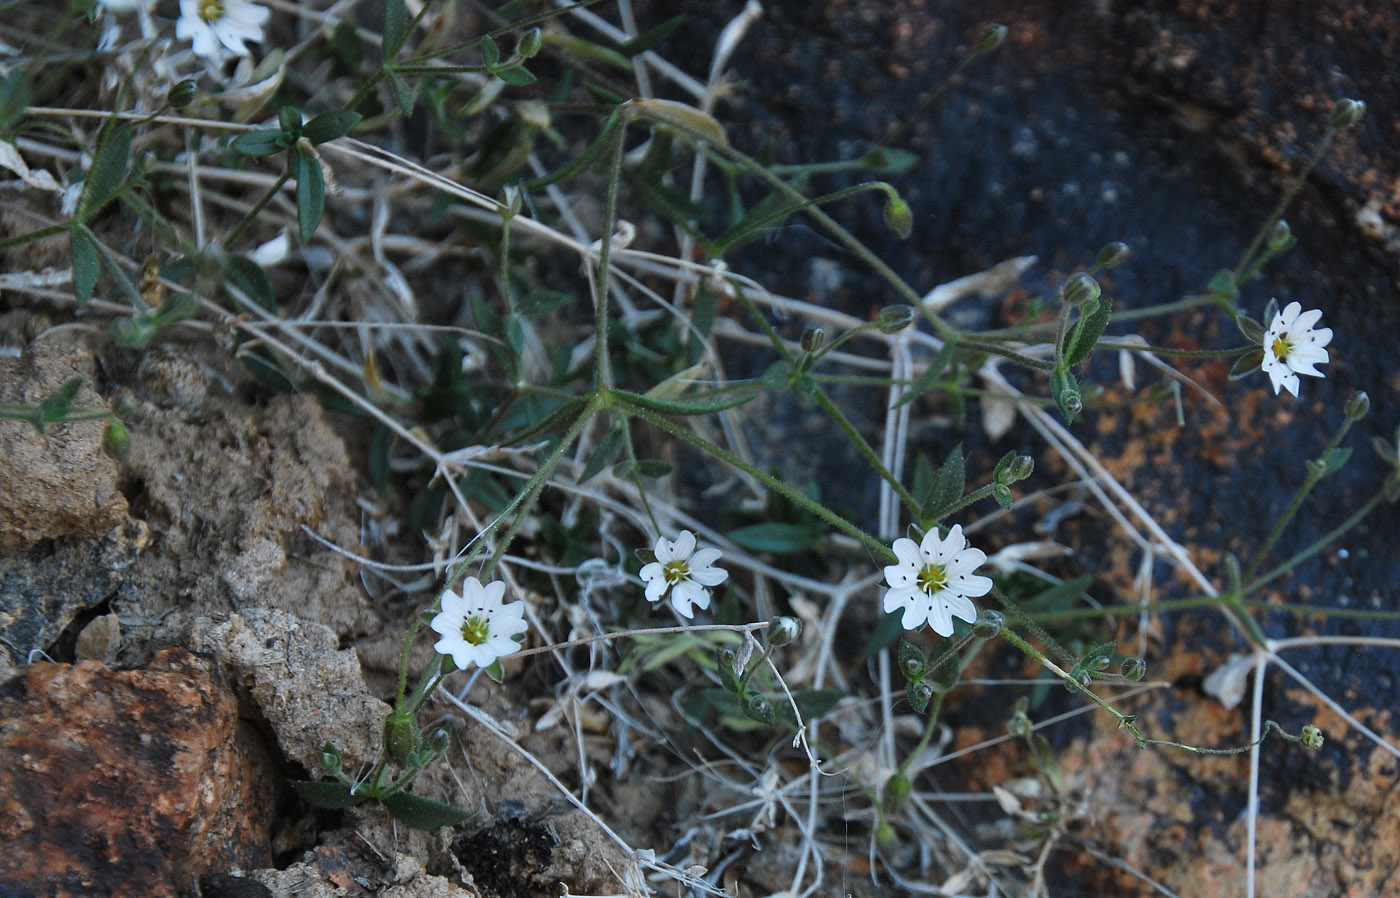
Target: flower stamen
point(675, 572)
point(476, 629)
point(932, 578)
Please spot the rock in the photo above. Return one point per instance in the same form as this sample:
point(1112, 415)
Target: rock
point(57, 484)
point(309, 690)
point(42, 590)
point(127, 782)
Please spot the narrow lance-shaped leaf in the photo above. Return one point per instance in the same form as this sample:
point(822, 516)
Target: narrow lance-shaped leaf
point(311, 191)
point(85, 264)
point(330, 125)
point(395, 27)
point(422, 813)
point(108, 169)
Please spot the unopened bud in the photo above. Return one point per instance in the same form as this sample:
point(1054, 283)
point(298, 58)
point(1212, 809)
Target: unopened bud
point(181, 93)
point(894, 319)
point(812, 339)
point(990, 38)
point(896, 789)
point(783, 630)
point(988, 624)
point(921, 694)
point(530, 43)
point(1072, 402)
point(1132, 669)
point(1347, 113)
point(400, 737)
point(898, 218)
point(1358, 405)
point(884, 833)
point(1080, 289)
point(1311, 737)
point(116, 441)
point(1280, 236)
point(1113, 255)
point(1019, 725)
point(758, 706)
point(1020, 469)
point(912, 668)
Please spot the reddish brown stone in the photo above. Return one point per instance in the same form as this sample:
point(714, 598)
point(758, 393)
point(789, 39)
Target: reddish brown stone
point(127, 782)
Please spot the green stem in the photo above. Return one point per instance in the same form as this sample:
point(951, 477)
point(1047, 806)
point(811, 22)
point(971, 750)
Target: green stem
point(766, 479)
point(602, 362)
point(1262, 234)
point(257, 208)
point(1035, 654)
point(1328, 538)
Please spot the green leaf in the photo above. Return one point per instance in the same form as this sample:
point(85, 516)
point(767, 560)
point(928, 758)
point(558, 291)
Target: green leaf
point(1086, 333)
point(603, 456)
point(104, 177)
point(395, 27)
point(311, 192)
point(776, 537)
point(514, 75)
point(1223, 284)
point(1060, 596)
point(947, 488)
point(328, 794)
point(813, 703)
point(85, 263)
point(724, 702)
point(381, 448)
point(727, 677)
point(1335, 459)
point(490, 53)
point(1063, 385)
point(258, 143)
point(330, 125)
point(930, 375)
point(249, 277)
point(909, 655)
point(646, 467)
point(538, 301)
point(496, 672)
point(888, 161)
point(423, 813)
point(681, 406)
point(887, 629)
point(917, 697)
point(649, 39)
point(55, 409)
point(767, 214)
point(403, 95)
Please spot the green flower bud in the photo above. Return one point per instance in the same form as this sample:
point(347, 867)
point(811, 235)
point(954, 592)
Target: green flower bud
point(894, 319)
point(1072, 402)
point(783, 630)
point(1346, 113)
point(1020, 469)
point(898, 218)
point(1019, 726)
point(1080, 289)
point(1311, 737)
point(181, 93)
point(921, 694)
point(116, 441)
point(912, 668)
point(884, 834)
point(812, 339)
point(1099, 663)
point(990, 38)
point(758, 706)
point(1280, 236)
point(896, 790)
point(989, 623)
point(1113, 255)
point(530, 43)
point(1358, 405)
point(1132, 669)
point(400, 737)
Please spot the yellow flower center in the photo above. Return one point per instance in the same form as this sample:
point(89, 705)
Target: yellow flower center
point(932, 578)
point(675, 572)
point(1280, 349)
point(211, 11)
point(475, 630)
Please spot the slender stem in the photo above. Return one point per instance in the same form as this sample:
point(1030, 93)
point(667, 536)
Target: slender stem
point(1328, 538)
point(602, 370)
point(257, 208)
point(33, 235)
point(1262, 234)
point(763, 477)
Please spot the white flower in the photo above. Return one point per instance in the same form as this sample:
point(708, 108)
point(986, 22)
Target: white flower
point(1293, 347)
point(220, 27)
point(476, 626)
point(934, 579)
point(684, 572)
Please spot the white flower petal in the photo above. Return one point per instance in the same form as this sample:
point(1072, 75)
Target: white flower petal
point(959, 606)
point(974, 585)
point(908, 552)
point(915, 614)
point(685, 545)
point(939, 620)
point(899, 575)
point(702, 558)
